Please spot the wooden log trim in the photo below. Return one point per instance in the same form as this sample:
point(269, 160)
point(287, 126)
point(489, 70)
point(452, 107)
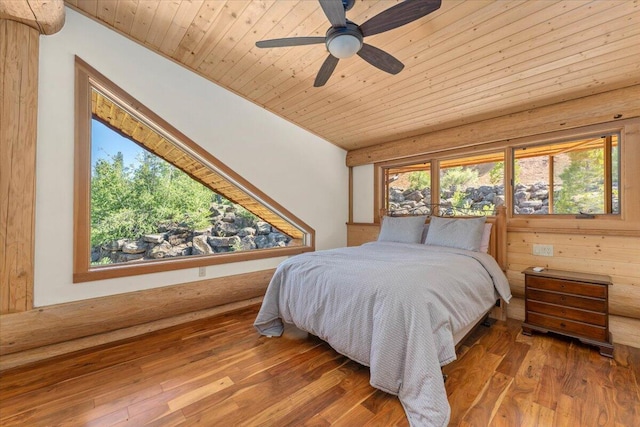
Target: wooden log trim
point(594, 109)
point(46, 16)
point(18, 124)
point(34, 355)
point(64, 322)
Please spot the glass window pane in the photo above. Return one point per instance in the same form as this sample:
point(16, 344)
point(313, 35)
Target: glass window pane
point(408, 190)
point(568, 177)
point(473, 185)
point(143, 208)
point(615, 176)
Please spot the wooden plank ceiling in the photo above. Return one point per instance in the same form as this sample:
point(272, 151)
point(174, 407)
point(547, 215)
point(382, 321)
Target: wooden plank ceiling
point(468, 61)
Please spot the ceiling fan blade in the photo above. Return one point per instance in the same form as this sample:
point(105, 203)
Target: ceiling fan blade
point(291, 41)
point(326, 70)
point(334, 9)
point(399, 15)
point(380, 59)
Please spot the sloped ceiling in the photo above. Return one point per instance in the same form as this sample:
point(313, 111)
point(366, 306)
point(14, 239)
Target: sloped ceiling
point(468, 61)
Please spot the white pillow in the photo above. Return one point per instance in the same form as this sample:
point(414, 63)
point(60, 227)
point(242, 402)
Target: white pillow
point(402, 229)
point(461, 233)
point(486, 236)
point(484, 243)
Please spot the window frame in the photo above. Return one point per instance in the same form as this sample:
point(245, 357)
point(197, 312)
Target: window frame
point(607, 167)
point(460, 156)
point(434, 161)
point(384, 177)
point(380, 198)
point(87, 78)
point(626, 223)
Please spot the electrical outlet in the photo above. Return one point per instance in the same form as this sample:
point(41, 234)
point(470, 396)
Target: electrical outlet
point(202, 271)
point(543, 250)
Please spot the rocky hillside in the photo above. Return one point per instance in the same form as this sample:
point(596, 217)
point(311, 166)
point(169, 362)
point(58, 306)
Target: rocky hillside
point(532, 199)
point(231, 230)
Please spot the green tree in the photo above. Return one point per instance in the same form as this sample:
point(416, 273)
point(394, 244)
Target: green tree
point(458, 200)
point(458, 176)
point(110, 192)
point(129, 202)
point(185, 200)
point(582, 184)
point(419, 180)
point(496, 174)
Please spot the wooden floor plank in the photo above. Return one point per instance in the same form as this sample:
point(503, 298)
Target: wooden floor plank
point(387, 411)
point(484, 408)
point(356, 416)
point(474, 371)
point(513, 359)
point(357, 390)
point(562, 415)
point(549, 388)
point(219, 371)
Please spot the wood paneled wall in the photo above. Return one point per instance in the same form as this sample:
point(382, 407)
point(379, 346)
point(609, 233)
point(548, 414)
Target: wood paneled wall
point(615, 256)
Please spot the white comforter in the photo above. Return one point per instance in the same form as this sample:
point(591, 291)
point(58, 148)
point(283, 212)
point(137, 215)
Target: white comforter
point(391, 306)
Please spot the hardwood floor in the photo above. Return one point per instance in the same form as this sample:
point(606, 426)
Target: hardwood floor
point(220, 372)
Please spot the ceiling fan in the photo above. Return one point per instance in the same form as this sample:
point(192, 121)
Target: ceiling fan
point(344, 38)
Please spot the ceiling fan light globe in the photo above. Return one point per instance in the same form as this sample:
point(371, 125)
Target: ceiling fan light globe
point(344, 46)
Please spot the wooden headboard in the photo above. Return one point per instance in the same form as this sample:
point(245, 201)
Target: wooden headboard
point(498, 241)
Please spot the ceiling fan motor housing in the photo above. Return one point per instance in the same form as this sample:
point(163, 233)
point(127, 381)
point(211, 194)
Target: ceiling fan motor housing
point(344, 42)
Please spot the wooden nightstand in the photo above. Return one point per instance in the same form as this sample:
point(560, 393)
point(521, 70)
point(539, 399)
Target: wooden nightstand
point(569, 303)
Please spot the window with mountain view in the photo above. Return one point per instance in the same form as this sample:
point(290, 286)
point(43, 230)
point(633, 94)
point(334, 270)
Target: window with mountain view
point(408, 189)
point(575, 177)
point(149, 199)
point(472, 185)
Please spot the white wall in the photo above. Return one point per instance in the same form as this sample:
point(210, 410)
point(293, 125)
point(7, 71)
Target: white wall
point(363, 193)
point(304, 173)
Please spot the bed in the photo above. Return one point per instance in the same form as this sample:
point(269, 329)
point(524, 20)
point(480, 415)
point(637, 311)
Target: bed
point(398, 305)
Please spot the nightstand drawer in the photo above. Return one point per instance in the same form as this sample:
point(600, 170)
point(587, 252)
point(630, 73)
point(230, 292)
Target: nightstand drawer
point(563, 325)
point(577, 288)
point(599, 319)
point(599, 305)
point(569, 303)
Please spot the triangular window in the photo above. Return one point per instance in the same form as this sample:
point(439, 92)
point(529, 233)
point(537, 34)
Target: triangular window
point(149, 199)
